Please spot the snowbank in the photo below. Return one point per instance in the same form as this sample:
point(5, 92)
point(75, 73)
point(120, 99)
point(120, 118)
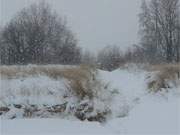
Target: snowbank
point(133, 109)
point(153, 115)
point(76, 91)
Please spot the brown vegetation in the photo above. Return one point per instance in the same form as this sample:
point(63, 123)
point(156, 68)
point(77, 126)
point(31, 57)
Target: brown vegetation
point(163, 75)
point(79, 77)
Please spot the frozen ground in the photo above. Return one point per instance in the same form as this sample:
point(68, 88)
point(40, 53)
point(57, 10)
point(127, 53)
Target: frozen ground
point(135, 111)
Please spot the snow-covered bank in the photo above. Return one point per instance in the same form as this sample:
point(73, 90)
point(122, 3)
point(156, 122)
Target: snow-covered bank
point(154, 115)
point(133, 110)
point(130, 86)
point(45, 92)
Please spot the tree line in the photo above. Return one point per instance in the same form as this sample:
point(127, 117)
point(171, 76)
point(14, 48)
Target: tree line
point(38, 35)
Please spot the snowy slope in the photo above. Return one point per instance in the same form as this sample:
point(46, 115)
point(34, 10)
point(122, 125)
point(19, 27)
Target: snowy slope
point(135, 111)
point(130, 85)
point(148, 113)
point(152, 116)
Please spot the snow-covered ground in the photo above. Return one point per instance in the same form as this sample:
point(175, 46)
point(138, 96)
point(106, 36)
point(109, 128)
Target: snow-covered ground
point(51, 127)
point(134, 111)
point(152, 116)
point(149, 113)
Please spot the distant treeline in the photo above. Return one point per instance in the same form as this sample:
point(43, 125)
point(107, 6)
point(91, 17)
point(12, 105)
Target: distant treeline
point(38, 35)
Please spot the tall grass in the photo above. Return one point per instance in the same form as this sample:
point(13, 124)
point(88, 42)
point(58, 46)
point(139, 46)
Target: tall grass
point(78, 76)
point(164, 74)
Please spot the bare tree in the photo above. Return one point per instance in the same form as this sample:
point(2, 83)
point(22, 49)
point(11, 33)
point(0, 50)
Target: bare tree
point(177, 46)
point(109, 58)
point(159, 29)
point(37, 35)
point(134, 54)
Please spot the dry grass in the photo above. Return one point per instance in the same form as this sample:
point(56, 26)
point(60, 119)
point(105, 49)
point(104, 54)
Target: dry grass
point(163, 66)
point(79, 77)
point(164, 74)
point(81, 80)
point(31, 70)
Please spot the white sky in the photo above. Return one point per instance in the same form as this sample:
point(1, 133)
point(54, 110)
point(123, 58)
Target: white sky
point(97, 23)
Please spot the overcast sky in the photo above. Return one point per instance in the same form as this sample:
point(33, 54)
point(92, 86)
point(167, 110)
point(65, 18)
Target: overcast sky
point(97, 23)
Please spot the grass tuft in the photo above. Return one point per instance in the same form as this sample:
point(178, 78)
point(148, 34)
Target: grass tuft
point(165, 76)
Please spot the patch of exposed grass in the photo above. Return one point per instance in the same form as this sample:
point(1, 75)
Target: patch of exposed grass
point(164, 75)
